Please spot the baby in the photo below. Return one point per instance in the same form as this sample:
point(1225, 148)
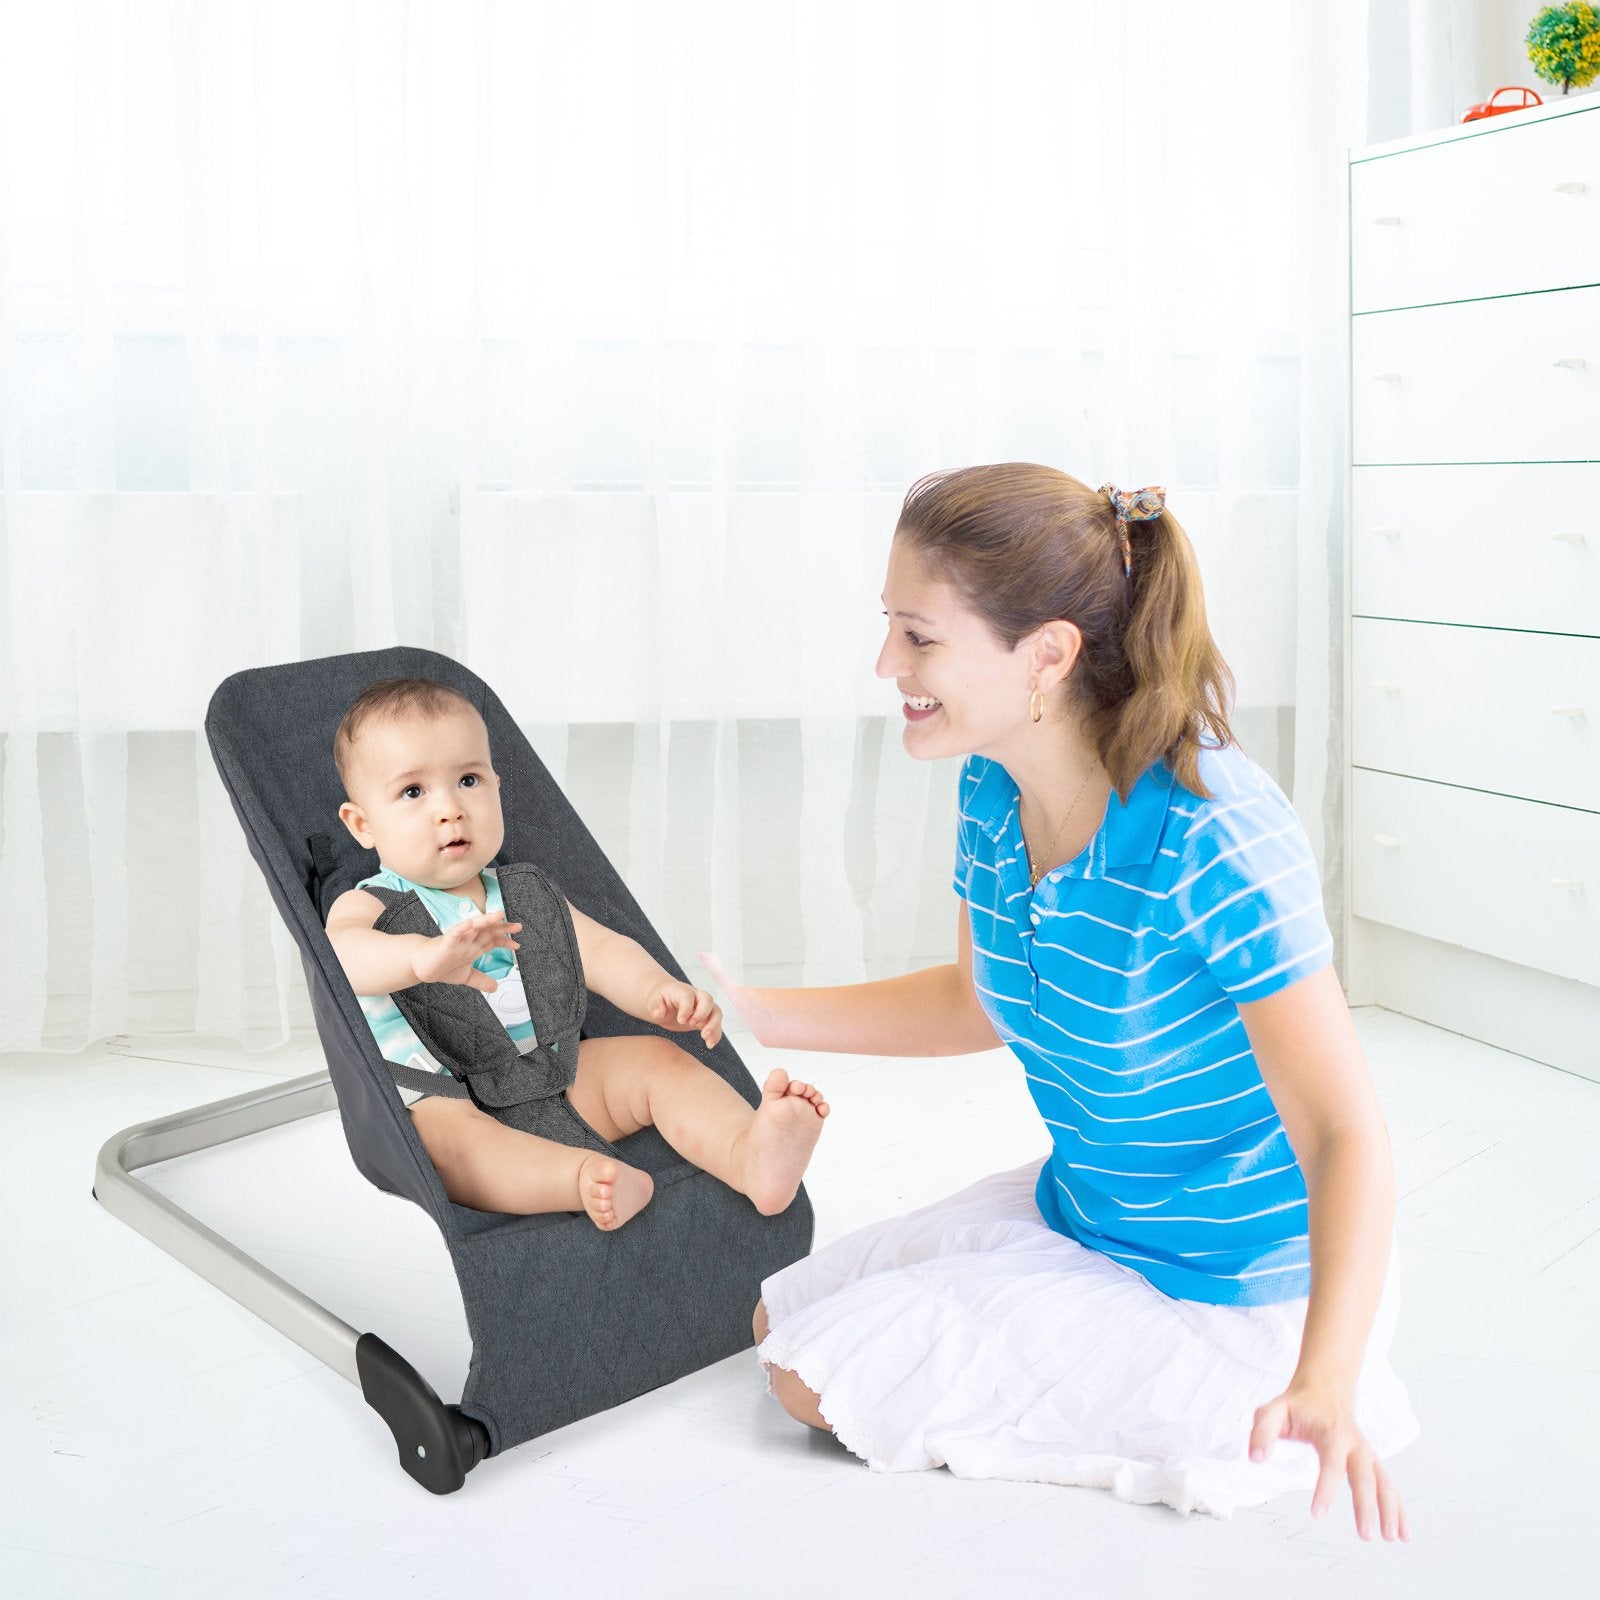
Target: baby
point(422, 792)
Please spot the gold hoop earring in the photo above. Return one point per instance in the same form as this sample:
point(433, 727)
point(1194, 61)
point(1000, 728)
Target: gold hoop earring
point(1035, 705)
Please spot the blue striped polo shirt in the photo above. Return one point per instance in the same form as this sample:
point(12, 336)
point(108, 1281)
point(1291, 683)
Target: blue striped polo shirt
point(1117, 982)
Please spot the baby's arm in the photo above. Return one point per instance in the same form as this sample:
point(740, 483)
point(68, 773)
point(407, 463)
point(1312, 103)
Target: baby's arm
point(621, 970)
point(379, 963)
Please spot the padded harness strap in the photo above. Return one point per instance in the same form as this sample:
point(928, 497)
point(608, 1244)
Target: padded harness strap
point(458, 1025)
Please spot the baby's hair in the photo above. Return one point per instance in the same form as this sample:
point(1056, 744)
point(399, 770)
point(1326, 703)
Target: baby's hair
point(388, 699)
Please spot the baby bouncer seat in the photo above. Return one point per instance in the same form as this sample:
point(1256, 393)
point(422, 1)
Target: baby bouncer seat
point(565, 1320)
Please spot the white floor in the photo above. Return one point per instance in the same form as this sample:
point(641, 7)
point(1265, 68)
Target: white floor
point(159, 1441)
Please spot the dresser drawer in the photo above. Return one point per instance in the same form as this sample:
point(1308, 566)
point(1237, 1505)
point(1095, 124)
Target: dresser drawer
point(1518, 713)
point(1501, 211)
point(1492, 380)
point(1509, 878)
point(1495, 546)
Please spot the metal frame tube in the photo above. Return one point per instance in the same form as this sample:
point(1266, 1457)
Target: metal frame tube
point(312, 1326)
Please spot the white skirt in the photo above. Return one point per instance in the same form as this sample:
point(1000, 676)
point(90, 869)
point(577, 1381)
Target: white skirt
point(971, 1336)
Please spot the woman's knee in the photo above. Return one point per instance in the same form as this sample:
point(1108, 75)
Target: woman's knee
point(801, 1403)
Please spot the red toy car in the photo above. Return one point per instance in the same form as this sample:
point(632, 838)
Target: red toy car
point(1494, 106)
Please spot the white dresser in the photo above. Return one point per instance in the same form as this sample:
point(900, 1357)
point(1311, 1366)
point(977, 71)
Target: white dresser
point(1473, 807)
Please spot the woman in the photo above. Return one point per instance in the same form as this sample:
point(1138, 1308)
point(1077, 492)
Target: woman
point(1204, 1261)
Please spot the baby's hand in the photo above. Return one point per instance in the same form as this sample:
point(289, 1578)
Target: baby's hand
point(680, 1007)
point(449, 958)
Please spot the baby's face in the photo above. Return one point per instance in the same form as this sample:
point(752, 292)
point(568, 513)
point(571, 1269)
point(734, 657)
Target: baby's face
point(426, 798)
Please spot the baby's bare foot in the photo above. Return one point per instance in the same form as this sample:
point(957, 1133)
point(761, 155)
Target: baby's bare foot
point(774, 1150)
point(612, 1191)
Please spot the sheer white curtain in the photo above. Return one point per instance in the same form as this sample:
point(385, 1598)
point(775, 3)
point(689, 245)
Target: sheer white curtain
point(595, 345)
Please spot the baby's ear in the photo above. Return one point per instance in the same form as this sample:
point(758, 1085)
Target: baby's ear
point(351, 816)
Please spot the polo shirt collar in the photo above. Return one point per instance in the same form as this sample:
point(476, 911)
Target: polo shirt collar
point(1130, 834)
point(1133, 831)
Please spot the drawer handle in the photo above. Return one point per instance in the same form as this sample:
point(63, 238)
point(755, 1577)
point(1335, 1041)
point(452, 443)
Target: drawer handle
point(1570, 188)
point(1394, 377)
point(1386, 685)
point(1394, 222)
point(1394, 533)
point(1566, 883)
point(1567, 538)
point(1387, 840)
point(1567, 711)
point(1572, 363)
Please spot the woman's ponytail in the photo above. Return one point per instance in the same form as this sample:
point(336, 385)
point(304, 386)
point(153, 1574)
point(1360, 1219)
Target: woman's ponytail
point(1181, 687)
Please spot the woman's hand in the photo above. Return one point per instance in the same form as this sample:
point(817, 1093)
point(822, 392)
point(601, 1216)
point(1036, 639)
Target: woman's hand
point(1322, 1418)
point(744, 1003)
point(681, 1008)
point(449, 958)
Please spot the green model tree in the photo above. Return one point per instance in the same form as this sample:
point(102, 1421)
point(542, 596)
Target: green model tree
point(1564, 44)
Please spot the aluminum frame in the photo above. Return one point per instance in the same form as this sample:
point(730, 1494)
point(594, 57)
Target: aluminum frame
point(184, 1237)
point(438, 1445)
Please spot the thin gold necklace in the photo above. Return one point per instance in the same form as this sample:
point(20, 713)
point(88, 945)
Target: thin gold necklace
point(1033, 875)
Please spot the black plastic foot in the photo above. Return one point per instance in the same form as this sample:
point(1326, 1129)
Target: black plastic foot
point(438, 1446)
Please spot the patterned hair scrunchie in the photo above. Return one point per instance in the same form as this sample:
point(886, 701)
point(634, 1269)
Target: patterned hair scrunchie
point(1138, 505)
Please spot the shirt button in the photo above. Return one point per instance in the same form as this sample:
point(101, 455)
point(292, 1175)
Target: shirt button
point(1033, 917)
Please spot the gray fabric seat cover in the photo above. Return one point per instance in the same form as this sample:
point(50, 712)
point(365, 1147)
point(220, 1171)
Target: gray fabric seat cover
point(565, 1320)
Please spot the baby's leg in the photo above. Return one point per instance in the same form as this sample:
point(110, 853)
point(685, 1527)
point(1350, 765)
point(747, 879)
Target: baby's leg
point(484, 1164)
point(624, 1084)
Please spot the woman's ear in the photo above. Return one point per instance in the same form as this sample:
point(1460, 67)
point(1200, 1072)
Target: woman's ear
point(355, 819)
point(1056, 651)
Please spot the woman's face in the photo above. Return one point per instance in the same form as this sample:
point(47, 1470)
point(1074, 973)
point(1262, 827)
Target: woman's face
point(938, 651)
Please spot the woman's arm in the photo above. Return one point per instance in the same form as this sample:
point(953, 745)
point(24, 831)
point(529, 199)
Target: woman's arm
point(1310, 1058)
point(934, 1012)
point(1311, 1061)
